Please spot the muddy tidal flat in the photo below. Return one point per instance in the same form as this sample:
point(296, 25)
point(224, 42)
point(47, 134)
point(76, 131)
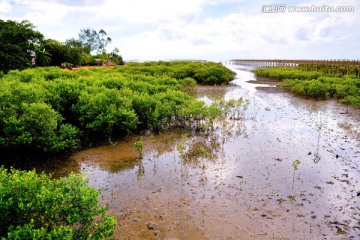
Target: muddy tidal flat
point(288, 168)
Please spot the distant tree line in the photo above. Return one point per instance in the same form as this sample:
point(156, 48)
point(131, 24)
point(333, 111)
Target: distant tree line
point(22, 46)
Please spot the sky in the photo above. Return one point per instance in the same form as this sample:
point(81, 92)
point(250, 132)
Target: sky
point(214, 30)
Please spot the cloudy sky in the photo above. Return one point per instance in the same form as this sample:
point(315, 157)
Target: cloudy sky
point(200, 29)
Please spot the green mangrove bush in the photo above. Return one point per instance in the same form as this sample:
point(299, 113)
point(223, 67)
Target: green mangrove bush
point(287, 73)
point(51, 110)
point(34, 206)
point(317, 85)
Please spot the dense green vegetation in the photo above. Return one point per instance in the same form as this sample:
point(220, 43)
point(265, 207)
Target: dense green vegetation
point(51, 109)
point(22, 46)
point(317, 85)
point(287, 73)
point(34, 206)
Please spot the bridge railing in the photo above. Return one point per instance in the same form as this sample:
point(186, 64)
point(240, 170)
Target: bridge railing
point(295, 62)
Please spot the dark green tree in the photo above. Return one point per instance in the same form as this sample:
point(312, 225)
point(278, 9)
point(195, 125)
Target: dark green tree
point(74, 51)
point(18, 40)
point(104, 40)
point(56, 50)
point(89, 39)
point(42, 56)
point(12, 57)
point(116, 57)
point(93, 40)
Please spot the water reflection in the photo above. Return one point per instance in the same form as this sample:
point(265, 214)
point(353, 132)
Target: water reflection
point(201, 149)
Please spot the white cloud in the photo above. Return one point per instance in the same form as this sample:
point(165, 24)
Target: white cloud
point(236, 32)
point(5, 6)
point(188, 29)
point(140, 11)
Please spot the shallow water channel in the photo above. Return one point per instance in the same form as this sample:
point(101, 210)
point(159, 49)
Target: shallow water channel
point(239, 181)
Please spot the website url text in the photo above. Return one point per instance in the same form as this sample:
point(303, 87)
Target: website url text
point(282, 8)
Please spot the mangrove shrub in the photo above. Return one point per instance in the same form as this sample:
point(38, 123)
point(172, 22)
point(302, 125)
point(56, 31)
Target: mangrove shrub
point(317, 85)
point(51, 109)
point(34, 206)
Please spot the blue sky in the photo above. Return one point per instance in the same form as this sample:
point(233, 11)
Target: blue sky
point(199, 29)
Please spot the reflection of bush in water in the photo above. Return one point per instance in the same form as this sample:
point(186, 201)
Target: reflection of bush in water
point(199, 150)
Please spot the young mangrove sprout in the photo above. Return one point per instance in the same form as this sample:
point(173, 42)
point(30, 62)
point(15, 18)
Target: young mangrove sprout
point(181, 147)
point(295, 165)
point(319, 127)
point(138, 144)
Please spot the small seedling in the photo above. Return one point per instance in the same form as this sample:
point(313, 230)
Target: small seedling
point(203, 152)
point(319, 127)
point(181, 145)
point(185, 138)
point(295, 165)
point(181, 148)
point(320, 124)
point(138, 144)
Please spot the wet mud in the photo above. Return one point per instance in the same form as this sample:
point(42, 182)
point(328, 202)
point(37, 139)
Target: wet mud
point(287, 169)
